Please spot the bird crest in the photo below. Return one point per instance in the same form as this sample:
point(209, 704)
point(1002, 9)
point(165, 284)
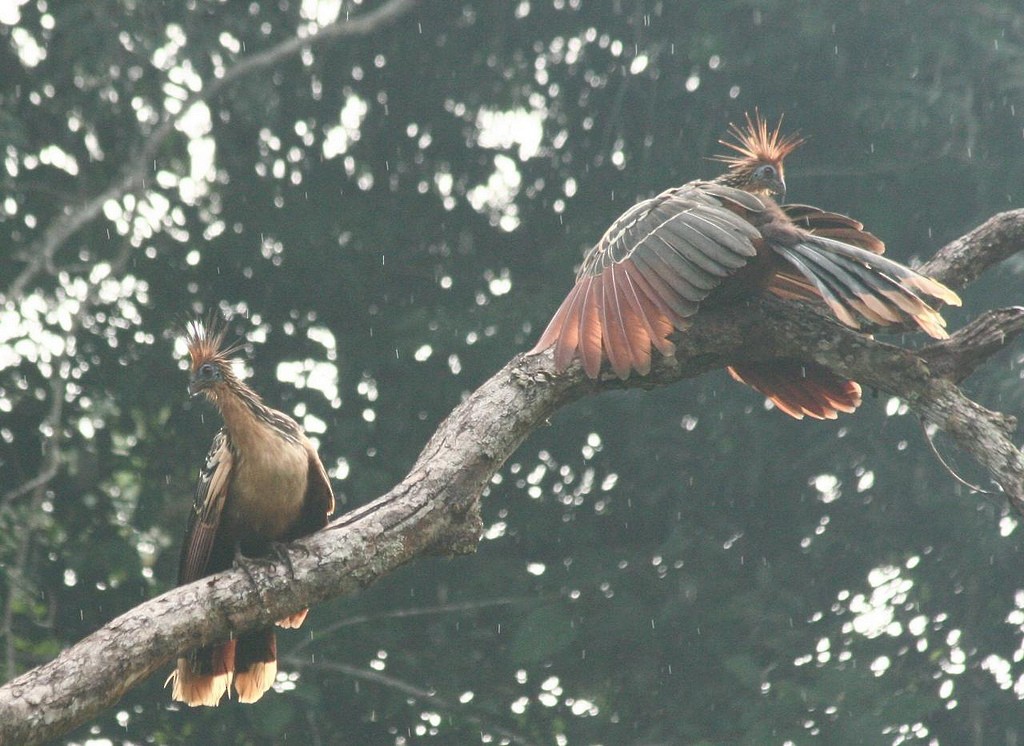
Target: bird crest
point(756, 143)
point(204, 339)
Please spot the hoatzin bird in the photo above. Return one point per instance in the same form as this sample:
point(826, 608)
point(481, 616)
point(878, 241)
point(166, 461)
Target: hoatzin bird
point(263, 484)
point(713, 242)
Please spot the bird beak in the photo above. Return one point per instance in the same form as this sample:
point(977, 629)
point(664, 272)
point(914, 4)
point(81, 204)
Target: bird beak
point(779, 187)
point(194, 388)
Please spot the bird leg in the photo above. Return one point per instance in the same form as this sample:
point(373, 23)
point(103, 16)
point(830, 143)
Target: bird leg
point(246, 565)
point(280, 551)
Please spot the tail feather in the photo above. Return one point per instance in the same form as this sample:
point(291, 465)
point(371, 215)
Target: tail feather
point(204, 676)
point(255, 664)
point(294, 621)
point(247, 663)
point(800, 389)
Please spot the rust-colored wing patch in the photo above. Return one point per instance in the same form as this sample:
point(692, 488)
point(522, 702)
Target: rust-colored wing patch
point(648, 274)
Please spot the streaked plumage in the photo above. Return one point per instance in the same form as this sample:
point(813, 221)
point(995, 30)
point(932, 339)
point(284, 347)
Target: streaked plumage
point(709, 243)
point(262, 483)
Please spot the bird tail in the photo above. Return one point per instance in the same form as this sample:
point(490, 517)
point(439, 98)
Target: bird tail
point(294, 621)
point(255, 664)
point(203, 676)
point(800, 389)
point(859, 284)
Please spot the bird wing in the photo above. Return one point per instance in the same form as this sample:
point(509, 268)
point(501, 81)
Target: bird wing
point(319, 502)
point(858, 284)
point(791, 284)
point(648, 274)
point(842, 264)
point(834, 225)
point(207, 508)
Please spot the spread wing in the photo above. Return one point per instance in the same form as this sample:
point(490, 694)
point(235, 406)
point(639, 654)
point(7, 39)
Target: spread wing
point(833, 225)
point(841, 263)
point(204, 520)
point(648, 274)
point(792, 285)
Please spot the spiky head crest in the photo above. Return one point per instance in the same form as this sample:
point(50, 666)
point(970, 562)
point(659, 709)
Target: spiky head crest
point(758, 166)
point(756, 144)
point(204, 339)
point(210, 363)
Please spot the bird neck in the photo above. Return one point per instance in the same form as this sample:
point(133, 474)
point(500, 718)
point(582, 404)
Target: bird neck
point(249, 421)
point(242, 410)
point(735, 178)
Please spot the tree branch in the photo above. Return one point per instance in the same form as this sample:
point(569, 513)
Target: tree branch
point(414, 692)
point(40, 254)
point(963, 260)
point(435, 509)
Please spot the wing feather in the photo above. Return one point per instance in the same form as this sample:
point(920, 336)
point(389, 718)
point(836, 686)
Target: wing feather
point(833, 225)
point(208, 506)
point(648, 274)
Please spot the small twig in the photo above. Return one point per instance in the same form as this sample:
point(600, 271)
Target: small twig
point(949, 469)
point(410, 613)
point(410, 690)
point(18, 572)
point(51, 446)
point(40, 254)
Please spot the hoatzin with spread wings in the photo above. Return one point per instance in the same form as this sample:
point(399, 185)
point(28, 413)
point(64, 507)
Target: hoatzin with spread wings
point(263, 483)
point(708, 243)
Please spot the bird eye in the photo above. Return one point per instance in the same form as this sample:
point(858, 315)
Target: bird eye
point(207, 370)
point(766, 172)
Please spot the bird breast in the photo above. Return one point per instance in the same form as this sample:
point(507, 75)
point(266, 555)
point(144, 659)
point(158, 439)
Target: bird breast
point(269, 486)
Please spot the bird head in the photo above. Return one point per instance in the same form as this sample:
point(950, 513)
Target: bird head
point(210, 368)
point(758, 166)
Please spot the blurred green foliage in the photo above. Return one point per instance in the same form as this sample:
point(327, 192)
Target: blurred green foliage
point(394, 216)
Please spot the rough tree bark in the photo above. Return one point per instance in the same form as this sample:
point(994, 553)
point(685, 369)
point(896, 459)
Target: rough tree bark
point(436, 508)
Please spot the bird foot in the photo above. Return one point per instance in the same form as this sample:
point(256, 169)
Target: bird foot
point(283, 553)
point(248, 565)
point(279, 552)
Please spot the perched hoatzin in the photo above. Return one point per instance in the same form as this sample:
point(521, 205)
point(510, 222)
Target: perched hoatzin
point(712, 242)
point(263, 483)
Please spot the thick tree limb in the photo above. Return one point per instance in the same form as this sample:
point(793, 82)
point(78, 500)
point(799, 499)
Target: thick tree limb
point(963, 260)
point(435, 509)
